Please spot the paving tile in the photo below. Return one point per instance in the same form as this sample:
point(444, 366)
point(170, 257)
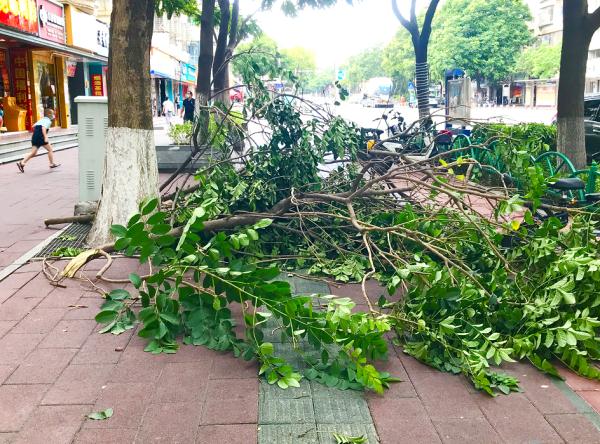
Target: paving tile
point(53, 424)
point(5, 372)
point(305, 286)
point(102, 348)
point(286, 411)
point(7, 438)
point(174, 423)
point(271, 391)
point(132, 371)
point(16, 404)
point(42, 366)
point(38, 287)
point(5, 327)
point(516, 419)
point(577, 382)
point(402, 420)
point(242, 410)
point(592, 398)
point(288, 434)
point(61, 298)
point(232, 389)
point(17, 280)
point(182, 382)
point(325, 432)
point(84, 308)
point(228, 366)
point(128, 401)
point(105, 436)
point(230, 434)
point(79, 384)
point(40, 320)
point(466, 431)
point(68, 334)
point(322, 391)
point(445, 396)
point(340, 409)
point(16, 309)
point(574, 428)
point(15, 347)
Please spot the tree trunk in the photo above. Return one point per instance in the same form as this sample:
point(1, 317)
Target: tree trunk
point(571, 86)
point(205, 63)
point(422, 80)
point(130, 167)
point(220, 64)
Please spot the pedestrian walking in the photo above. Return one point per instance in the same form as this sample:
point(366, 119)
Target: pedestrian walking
point(40, 139)
point(187, 110)
point(168, 110)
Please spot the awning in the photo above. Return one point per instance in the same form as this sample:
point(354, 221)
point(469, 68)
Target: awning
point(63, 49)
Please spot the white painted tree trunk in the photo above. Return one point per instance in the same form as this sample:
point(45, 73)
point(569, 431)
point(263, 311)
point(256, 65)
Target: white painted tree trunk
point(130, 175)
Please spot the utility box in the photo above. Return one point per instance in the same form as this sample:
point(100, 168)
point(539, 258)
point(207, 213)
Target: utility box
point(92, 117)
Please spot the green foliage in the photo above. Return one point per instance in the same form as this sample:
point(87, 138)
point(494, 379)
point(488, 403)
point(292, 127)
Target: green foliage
point(363, 66)
point(66, 252)
point(181, 133)
point(101, 415)
point(483, 37)
point(540, 62)
point(220, 275)
point(398, 60)
point(345, 439)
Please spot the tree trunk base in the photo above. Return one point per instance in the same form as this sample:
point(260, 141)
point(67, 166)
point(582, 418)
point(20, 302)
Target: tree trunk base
point(571, 140)
point(130, 175)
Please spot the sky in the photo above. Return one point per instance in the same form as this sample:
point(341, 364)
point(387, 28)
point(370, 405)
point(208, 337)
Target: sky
point(333, 34)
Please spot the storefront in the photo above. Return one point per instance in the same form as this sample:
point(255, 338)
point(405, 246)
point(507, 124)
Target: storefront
point(35, 63)
point(171, 79)
point(85, 77)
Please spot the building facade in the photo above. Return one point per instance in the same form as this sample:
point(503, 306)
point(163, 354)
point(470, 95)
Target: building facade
point(39, 54)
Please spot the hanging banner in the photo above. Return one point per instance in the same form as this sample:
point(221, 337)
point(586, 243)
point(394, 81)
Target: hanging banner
point(19, 14)
point(101, 38)
point(18, 59)
point(97, 87)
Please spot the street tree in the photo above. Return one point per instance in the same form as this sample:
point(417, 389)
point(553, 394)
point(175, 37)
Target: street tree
point(579, 26)
point(130, 167)
point(364, 66)
point(539, 62)
point(420, 40)
point(482, 37)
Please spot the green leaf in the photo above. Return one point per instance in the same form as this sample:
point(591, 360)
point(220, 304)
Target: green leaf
point(149, 207)
point(160, 229)
point(263, 223)
point(99, 416)
point(118, 230)
point(122, 243)
point(135, 279)
point(266, 348)
point(119, 294)
point(106, 316)
point(156, 218)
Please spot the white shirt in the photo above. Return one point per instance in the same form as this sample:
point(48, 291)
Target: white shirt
point(45, 122)
point(168, 106)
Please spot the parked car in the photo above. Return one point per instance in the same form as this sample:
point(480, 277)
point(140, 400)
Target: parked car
point(591, 116)
point(433, 102)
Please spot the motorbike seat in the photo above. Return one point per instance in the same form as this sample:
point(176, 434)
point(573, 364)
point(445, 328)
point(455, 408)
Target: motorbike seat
point(568, 184)
point(593, 197)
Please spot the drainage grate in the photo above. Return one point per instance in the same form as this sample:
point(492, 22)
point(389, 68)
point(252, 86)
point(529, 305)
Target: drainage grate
point(73, 237)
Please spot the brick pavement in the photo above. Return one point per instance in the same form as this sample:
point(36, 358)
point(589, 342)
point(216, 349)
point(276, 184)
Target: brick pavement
point(55, 368)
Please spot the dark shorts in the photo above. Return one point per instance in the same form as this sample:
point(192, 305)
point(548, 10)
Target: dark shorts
point(188, 117)
point(37, 139)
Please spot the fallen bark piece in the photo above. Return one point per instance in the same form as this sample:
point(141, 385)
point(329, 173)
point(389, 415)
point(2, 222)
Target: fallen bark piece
point(69, 219)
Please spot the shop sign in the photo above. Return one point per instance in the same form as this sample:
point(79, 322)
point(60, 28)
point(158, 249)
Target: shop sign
point(163, 65)
point(97, 88)
point(20, 14)
point(188, 73)
point(51, 21)
point(101, 38)
point(71, 68)
point(20, 82)
point(81, 29)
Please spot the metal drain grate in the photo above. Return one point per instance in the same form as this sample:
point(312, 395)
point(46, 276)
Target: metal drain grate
point(73, 237)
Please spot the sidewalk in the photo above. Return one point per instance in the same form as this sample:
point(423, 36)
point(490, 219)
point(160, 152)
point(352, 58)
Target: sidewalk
point(55, 369)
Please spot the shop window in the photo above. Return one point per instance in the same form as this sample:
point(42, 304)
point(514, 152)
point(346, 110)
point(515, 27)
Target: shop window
point(546, 16)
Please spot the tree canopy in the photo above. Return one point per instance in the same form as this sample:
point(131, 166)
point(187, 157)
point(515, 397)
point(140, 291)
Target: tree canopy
point(398, 61)
point(540, 62)
point(363, 66)
point(483, 37)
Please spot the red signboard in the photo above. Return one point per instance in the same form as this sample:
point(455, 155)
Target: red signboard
point(18, 58)
point(20, 14)
point(51, 21)
point(97, 87)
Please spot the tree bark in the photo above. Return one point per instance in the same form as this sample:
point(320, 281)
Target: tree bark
point(130, 167)
point(220, 64)
point(577, 33)
point(205, 63)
